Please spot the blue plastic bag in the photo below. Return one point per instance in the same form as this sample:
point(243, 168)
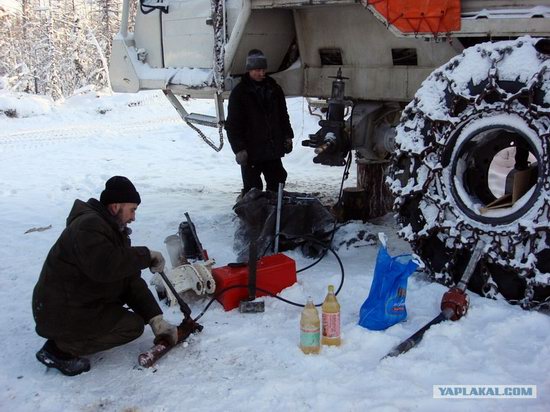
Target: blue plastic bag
point(385, 305)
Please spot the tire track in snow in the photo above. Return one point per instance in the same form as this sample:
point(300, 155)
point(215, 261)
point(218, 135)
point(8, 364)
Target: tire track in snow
point(38, 137)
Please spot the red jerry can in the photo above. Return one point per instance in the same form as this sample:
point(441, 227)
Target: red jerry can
point(273, 273)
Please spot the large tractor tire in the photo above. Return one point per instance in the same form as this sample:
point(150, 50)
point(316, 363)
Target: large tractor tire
point(492, 99)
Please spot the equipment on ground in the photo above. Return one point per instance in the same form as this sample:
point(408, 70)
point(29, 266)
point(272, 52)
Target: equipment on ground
point(187, 326)
point(251, 305)
point(278, 219)
point(454, 304)
point(202, 251)
point(273, 274)
point(300, 218)
point(238, 284)
point(368, 59)
point(190, 248)
point(185, 275)
point(196, 276)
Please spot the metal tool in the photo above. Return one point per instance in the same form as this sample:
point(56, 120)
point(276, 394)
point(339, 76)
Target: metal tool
point(454, 304)
point(184, 307)
point(185, 328)
point(251, 305)
point(278, 219)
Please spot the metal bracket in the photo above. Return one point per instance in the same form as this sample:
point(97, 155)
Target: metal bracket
point(202, 119)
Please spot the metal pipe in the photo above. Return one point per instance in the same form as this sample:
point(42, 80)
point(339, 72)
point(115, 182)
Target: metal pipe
point(472, 263)
point(184, 307)
point(278, 220)
point(236, 36)
point(176, 103)
point(123, 31)
point(252, 266)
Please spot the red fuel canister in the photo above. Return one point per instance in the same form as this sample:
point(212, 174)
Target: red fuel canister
point(273, 273)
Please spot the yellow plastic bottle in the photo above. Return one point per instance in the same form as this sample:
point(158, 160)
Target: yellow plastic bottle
point(310, 329)
point(331, 319)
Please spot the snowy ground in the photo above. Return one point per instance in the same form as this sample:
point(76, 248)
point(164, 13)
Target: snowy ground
point(239, 362)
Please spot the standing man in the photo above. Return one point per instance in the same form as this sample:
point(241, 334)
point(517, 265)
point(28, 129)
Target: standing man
point(258, 127)
point(90, 295)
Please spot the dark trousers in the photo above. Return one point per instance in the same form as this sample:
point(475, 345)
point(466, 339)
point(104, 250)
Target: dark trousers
point(128, 328)
point(273, 171)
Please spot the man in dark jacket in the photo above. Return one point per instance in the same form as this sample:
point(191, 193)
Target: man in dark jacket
point(89, 277)
point(258, 127)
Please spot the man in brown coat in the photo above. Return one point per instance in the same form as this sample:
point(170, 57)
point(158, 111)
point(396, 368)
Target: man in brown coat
point(90, 295)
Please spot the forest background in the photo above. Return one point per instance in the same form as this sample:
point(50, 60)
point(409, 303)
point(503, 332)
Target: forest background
point(57, 48)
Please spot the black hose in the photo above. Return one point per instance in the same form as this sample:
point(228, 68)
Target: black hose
point(345, 176)
point(267, 292)
point(326, 248)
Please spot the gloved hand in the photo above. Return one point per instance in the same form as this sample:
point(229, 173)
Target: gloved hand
point(163, 330)
point(288, 146)
point(241, 157)
point(157, 262)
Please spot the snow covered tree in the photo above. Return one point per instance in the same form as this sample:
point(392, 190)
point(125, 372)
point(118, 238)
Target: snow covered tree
point(108, 22)
point(55, 47)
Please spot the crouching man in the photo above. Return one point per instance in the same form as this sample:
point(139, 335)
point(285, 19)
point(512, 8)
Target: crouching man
point(90, 295)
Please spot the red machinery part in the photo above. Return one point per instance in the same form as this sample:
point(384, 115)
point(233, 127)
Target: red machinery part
point(435, 17)
point(149, 358)
point(273, 273)
point(457, 301)
point(162, 346)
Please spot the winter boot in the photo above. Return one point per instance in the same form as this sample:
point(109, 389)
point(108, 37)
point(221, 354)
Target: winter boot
point(51, 356)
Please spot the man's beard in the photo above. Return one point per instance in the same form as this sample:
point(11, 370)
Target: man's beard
point(121, 223)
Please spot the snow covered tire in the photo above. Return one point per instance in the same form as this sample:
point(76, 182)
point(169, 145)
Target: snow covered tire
point(492, 97)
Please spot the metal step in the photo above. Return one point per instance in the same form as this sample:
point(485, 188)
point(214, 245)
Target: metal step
point(202, 119)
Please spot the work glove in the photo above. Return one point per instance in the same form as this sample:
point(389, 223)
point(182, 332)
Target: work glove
point(163, 330)
point(157, 262)
point(288, 146)
point(241, 157)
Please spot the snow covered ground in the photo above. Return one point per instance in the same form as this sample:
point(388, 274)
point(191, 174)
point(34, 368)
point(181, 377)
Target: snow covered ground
point(57, 153)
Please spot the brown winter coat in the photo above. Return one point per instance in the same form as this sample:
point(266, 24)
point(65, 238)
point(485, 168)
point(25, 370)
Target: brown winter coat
point(89, 274)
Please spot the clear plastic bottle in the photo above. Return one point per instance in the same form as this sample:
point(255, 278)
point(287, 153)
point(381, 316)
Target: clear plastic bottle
point(310, 329)
point(331, 319)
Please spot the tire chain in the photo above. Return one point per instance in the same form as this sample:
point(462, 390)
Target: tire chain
point(217, 7)
point(206, 138)
point(509, 103)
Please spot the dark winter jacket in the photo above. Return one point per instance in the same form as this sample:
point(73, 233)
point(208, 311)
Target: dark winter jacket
point(257, 120)
point(89, 274)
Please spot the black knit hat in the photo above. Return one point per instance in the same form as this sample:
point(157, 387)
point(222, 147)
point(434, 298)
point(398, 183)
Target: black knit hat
point(119, 189)
point(255, 60)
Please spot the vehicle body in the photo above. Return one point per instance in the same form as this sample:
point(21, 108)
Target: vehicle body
point(382, 64)
point(373, 57)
